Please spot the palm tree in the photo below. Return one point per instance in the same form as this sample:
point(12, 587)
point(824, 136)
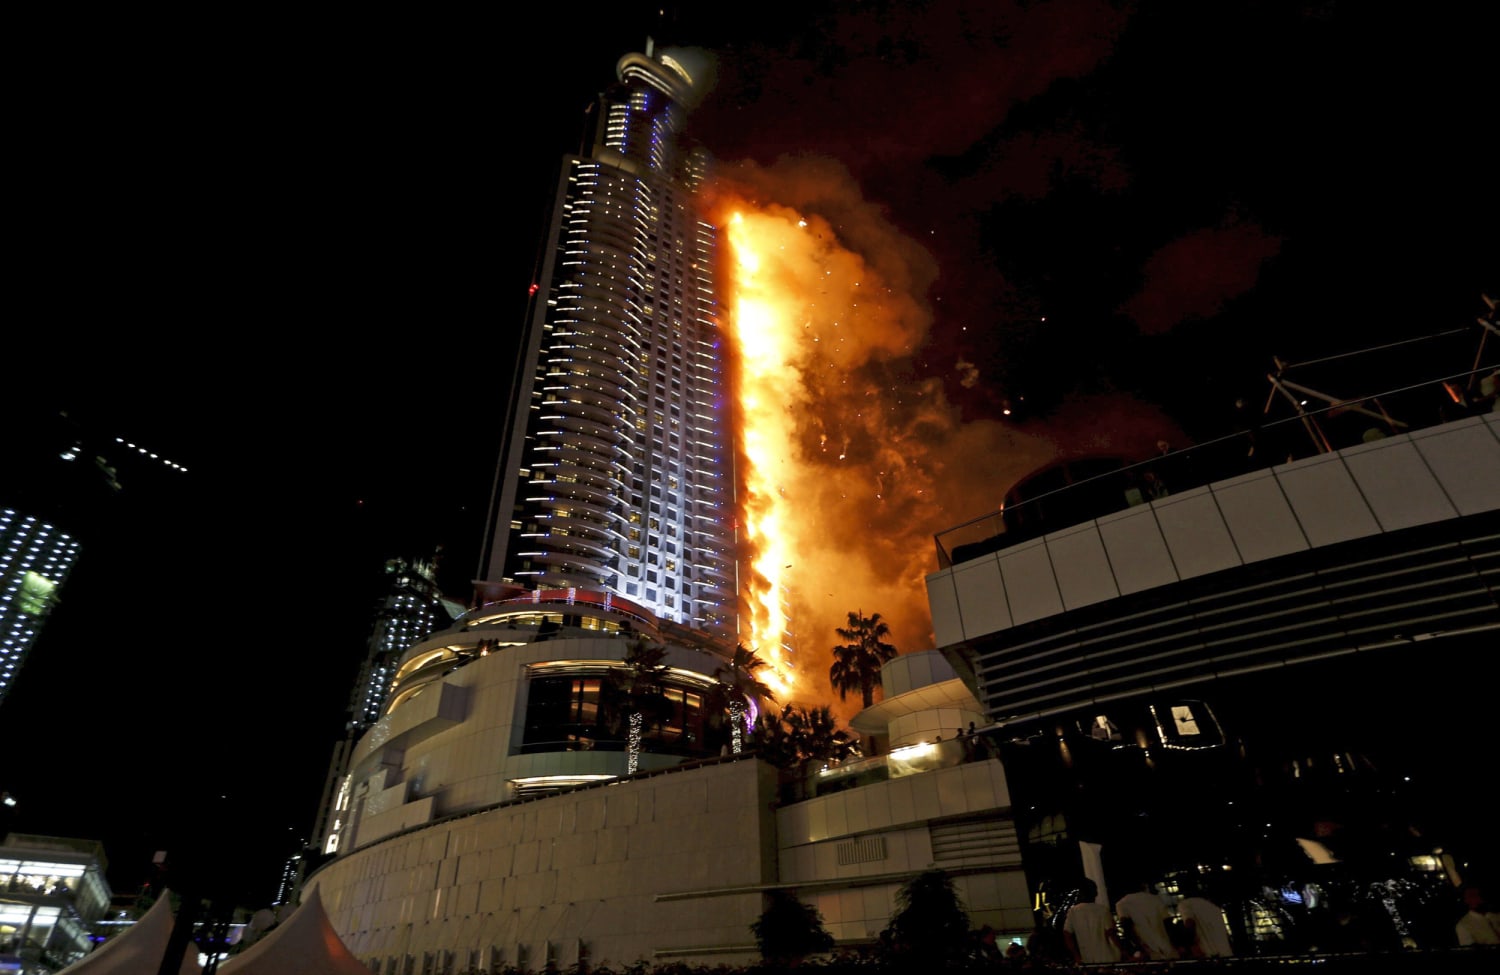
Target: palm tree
point(798, 734)
point(856, 665)
point(773, 741)
point(789, 930)
point(639, 687)
point(930, 923)
point(816, 734)
point(738, 676)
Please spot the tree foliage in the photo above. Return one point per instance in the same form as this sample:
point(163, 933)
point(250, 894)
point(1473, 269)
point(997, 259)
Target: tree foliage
point(801, 734)
point(739, 683)
point(772, 740)
point(639, 684)
point(817, 734)
point(789, 930)
point(856, 664)
point(930, 922)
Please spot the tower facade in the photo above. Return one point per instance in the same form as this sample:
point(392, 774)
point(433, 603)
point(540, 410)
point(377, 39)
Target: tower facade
point(616, 472)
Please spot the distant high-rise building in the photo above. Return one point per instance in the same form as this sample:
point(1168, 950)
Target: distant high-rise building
point(411, 609)
point(55, 891)
point(35, 558)
point(291, 876)
point(616, 472)
point(66, 492)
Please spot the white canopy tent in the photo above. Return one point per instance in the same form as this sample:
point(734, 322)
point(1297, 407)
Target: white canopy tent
point(139, 948)
point(303, 944)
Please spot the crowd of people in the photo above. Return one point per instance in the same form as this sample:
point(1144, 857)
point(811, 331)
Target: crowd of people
point(1142, 927)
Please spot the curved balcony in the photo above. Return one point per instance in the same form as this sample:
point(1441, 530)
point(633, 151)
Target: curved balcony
point(713, 539)
point(565, 437)
point(609, 237)
point(555, 503)
point(603, 335)
point(599, 357)
point(597, 528)
point(713, 589)
point(578, 546)
point(599, 291)
point(577, 491)
point(559, 561)
point(590, 385)
point(717, 571)
point(576, 458)
point(579, 404)
point(609, 346)
point(580, 424)
point(574, 576)
point(594, 475)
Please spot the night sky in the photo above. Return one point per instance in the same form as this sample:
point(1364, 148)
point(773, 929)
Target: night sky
point(294, 256)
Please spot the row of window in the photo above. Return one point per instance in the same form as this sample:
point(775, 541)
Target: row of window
point(584, 712)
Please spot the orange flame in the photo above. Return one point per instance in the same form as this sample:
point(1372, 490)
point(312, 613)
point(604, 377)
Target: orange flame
point(766, 376)
point(818, 454)
point(849, 457)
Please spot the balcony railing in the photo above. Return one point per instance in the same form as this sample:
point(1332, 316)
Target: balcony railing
point(1342, 423)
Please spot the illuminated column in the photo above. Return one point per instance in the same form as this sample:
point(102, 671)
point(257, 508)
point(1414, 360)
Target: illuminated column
point(634, 742)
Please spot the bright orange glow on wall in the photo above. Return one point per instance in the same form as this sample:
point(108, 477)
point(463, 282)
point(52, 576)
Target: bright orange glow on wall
point(817, 455)
point(766, 377)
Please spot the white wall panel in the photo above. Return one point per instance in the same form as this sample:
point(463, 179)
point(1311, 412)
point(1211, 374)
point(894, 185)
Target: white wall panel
point(857, 810)
point(1466, 459)
point(838, 813)
point(1384, 485)
point(1030, 589)
point(951, 797)
point(792, 822)
point(1083, 571)
point(1258, 516)
point(942, 597)
point(1326, 501)
point(913, 671)
point(1397, 484)
point(817, 820)
point(1136, 549)
point(903, 807)
point(980, 786)
point(878, 809)
point(1196, 534)
point(982, 598)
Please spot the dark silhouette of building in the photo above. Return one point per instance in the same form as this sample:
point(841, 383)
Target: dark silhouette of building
point(1270, 679)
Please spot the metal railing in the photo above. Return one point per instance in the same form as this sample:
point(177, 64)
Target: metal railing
point(1342, 423)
